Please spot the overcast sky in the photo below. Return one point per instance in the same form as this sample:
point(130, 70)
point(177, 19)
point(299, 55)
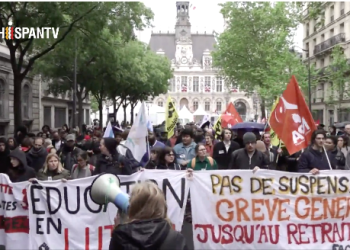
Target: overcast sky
point(205, 17)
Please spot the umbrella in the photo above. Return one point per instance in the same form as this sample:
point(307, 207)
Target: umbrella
point(249, 126)
point(341, 124)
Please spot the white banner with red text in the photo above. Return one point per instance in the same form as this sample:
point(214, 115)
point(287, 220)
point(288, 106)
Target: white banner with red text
point(237, 209)
point(62, 215)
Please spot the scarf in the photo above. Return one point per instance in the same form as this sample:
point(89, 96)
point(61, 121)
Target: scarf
point(77, 169)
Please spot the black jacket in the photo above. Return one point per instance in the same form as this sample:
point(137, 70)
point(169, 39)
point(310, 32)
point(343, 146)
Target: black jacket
point(68, 156)
point(117, 165)
point(241, 160)
point(312, 158)
point(5, 162)
point(21, 172)
point(222, 156)
point(36, 159)
point(154, 234)
point(337, 159)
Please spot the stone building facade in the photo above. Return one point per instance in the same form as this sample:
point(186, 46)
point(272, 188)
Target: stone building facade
point(38, 107)
point(30, 97)
point(318, 41)
point(196, 82)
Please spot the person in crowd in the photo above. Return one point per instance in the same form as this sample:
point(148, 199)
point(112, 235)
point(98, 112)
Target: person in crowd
point(222, 150)
point(342, 144)
point(248, 157)
point(26, 145)
point(125, 151)
point(65, 128)
point(20, 133)
point(57, 141)
point(19, 171)
point(110, 161)
point(53, 169)
point(172, 141)
point(332, 130)
point(11, 142)
point(46, 130)
point(276, 158)
point(5, 161)
point(185, 151)
point(321, 127)
point(209, 144)
point(199, 135)
point(68, 153)
point(163, 135)
point(202, 161)
point(40, 134)
point(336, 156)
point(48, 146)
point(36, 156)
point(292, 162)
point(167, 159)
point(154, 158)
point(260, 146)
point(314, 157)
point(83, 168)
point(153, 143)
point(148, 226)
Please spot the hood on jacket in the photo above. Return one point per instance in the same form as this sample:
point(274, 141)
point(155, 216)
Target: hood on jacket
point(41, 152)
point(7, 148)
point(20, 156)
point(144, 234)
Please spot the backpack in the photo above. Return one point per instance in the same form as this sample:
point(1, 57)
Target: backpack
point(91, 167)
point(211, 161)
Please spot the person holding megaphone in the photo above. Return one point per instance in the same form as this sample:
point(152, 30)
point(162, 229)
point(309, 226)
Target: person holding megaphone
point(147, 226)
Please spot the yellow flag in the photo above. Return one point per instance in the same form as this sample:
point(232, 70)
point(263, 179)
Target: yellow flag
point(171, 117)
point(275, 141)
point(217, 128)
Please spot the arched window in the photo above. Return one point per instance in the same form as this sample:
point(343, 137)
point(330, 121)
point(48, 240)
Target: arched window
point(241, 109)
point(25, 101)
point(2, 99)
point(195, 105)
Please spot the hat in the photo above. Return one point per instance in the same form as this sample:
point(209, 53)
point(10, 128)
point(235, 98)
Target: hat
point(70, 137)
point(249, 137)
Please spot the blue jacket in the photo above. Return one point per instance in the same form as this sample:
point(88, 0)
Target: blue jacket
point(313, 159)
point(184, 153)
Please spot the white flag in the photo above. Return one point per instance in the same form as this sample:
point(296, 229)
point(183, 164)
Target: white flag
point(136, 140)
point(205, 119)
point(109, 131)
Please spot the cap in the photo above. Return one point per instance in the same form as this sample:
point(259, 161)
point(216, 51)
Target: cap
point(70, 137)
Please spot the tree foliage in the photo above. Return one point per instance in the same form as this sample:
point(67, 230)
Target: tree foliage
point(87, 17)
point(254, 51)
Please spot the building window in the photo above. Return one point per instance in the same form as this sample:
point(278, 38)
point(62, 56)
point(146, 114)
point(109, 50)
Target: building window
point(218, 106)
point(60, 117)
point(307, 30)
point(183, 83)
point(196, 84)
point(218, 84)
point(2, 99)
point(87, 116)
point(172, 85)
point(342, 6)
point(332, 13)
point(47, 116)
point(160, 103)
point(207, 106)
point(25, 101)
point(195, 105)
point(207, 87)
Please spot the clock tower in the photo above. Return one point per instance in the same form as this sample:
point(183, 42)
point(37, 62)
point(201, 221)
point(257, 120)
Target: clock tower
point(184, 53)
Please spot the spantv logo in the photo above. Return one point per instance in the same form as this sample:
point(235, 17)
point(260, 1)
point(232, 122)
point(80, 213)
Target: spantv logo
point(11, 33)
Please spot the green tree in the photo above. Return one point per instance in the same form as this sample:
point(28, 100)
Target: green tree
point(87, 17)
point(337, 74)
point(254, 51)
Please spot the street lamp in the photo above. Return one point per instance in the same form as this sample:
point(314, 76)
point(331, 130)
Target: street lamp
point(309, 73)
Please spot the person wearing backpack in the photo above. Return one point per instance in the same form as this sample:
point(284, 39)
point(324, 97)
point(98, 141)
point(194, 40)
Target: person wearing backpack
point(83, 168)
point(202, 161)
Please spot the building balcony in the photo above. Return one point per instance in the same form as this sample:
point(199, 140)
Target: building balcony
point(329, 43)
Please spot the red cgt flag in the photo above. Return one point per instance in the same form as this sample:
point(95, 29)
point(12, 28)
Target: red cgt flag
point(291, 119)
point(231, 117)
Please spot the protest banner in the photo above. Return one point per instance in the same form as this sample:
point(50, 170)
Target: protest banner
point(240, 209)
point(14, 226)
point(62, 215)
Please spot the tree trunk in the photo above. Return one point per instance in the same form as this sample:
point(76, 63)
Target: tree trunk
point(132, 114)
point(124, 108)
point(114, 108)
point(263, 108)
point(17, 104)
point(100, 109)
point(80, 115)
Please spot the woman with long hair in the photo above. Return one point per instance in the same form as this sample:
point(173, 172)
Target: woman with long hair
point(154, 158)
point(110, 161)
point(53, 169)
point(167, 159)
point(83, 168)
point(147, 226)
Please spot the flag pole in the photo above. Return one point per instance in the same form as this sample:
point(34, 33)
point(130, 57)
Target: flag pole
point(279, 146)
point(329, 163)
